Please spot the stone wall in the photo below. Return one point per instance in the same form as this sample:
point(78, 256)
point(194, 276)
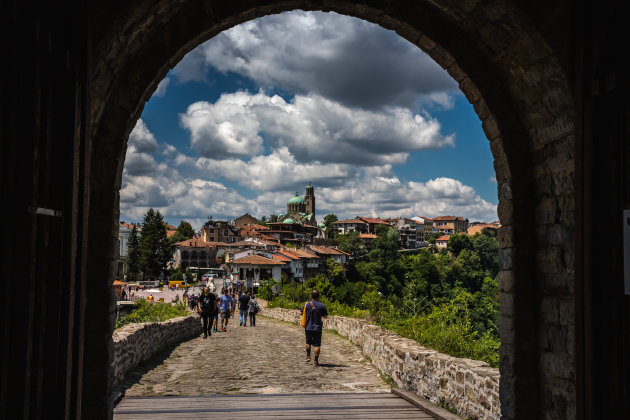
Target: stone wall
point(135, 343)
point(470, 386)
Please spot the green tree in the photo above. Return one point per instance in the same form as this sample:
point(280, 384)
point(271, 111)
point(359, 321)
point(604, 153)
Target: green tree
point(487, 247)
point(334, 270)
point(458, 242)
point(153, 246)
point(273, 218)
point(352, 243)
point(133, 253)
point(329, 219)
point(183, 232)
point(431, 237)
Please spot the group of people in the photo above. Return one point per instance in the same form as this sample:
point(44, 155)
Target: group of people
point(211, 308)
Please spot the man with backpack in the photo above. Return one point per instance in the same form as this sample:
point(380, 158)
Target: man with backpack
point(243, 306)
point(253, 309)
point(315, 311)
point(206, 307)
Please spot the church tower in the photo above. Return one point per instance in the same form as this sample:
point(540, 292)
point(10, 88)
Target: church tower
point(310, 199)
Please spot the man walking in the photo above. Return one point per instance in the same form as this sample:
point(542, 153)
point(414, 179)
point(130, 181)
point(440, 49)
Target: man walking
point(243, 301)
point(226, 303)
point(206, 307)
point(315, 311)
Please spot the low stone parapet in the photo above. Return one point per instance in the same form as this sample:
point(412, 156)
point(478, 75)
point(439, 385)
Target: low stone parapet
point(135, 343)
point(471, 387)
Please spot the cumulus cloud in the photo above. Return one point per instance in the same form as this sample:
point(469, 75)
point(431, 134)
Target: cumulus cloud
point(341, 58)
point(142, 139)
point(390, 197)
point(161, 89)
point(277, 171)
point(190, 199)
point(312, 127)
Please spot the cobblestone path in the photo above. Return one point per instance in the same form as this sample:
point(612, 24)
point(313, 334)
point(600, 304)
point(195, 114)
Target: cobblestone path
point(267, 358)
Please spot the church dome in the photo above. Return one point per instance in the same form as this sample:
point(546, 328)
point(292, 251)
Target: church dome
point(322, 225)
point(296, 200)
point(289, 220)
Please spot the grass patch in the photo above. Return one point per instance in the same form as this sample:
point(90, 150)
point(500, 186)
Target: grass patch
point(389, 380)
point(145, 311)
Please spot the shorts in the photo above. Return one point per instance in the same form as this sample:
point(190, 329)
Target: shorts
point(314, 338)
point(225, 314)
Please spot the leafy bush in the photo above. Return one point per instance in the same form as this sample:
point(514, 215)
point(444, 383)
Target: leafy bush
point(145, 311)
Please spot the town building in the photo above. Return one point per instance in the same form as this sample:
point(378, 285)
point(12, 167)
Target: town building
point(300, 210)
point(485, 228)
point(452, 224)
point(246, 219)
point(442, 241)
point(195, 253)
point(251, 270)
point(124, 230)
point(344, 226)
point(219, 231)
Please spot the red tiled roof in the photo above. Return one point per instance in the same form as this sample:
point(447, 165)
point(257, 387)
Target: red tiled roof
point(443, 238)
point(257, 260)
point(127, 225)
point(349, 221)
point(196, 243)
point(303, 254)
point(289, 254)
point(449, 218)
point(281, 258)
point(373, 220)
point(368, 236)
point(170, 233)
point(325, 250)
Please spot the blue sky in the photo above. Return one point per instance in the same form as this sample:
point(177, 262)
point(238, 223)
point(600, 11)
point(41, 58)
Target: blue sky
point(253, 115)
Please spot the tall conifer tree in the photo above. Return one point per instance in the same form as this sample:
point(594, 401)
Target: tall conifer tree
point(154, 248)
point(133, 253)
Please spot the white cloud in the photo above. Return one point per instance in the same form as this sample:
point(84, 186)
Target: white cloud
point(161, 89)
point(311, 127)
point(142, 139)
point(276, 171)
point(339, 57)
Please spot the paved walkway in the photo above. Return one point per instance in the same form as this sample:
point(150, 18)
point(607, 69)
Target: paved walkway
point(266, 359)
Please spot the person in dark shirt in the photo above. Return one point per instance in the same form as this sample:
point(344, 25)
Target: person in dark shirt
point(315, 311)
point(206, 307)
point(243, 301)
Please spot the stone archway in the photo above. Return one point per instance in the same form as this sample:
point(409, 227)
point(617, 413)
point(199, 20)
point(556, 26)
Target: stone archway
point(507, 71)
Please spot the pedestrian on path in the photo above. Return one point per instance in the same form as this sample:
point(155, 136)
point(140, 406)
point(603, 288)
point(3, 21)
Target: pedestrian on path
point(252, 308)
point(233, 303)
point(226, 304)
point(215, 318)
point(315, 311)
point(243, 306)
point(206, 308)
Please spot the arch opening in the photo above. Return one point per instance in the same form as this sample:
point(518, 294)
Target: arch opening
point(527, 119)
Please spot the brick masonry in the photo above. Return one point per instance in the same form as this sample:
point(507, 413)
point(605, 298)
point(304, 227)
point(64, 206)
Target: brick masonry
point(135, 343)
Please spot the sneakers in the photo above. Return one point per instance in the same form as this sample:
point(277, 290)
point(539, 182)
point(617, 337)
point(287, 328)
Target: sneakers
point(315, 363)
point(308, 359)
